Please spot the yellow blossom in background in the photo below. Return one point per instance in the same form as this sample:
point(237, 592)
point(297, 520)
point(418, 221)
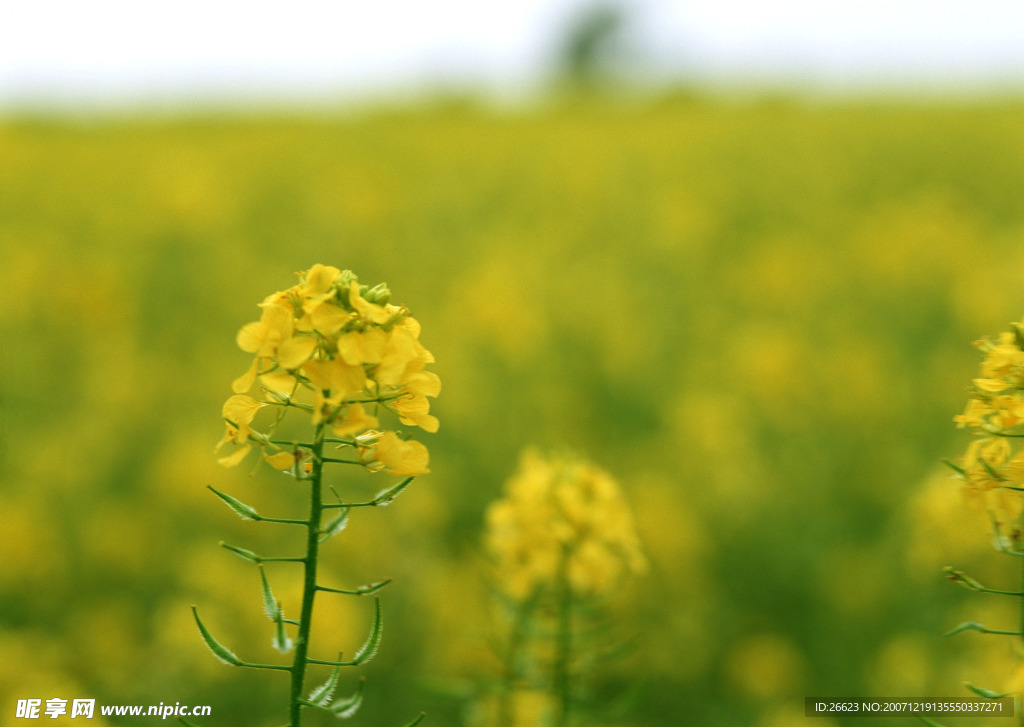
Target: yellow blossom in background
point(1015, 684)
point(520, 708)
point(557, 508)
point(561, 540)
point(992, 468)
point(342, 352)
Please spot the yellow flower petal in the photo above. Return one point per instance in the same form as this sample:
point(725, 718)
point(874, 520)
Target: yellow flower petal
point(236, 457)
point(318, 373)
point(230, 435)
point(319, 279)
point(355, 420)
point(400, 457)
point(416, 410)
point(400, 351)
point(328, 318)
point(425, 383)
point(280, 382)
point(991, 385)
point(358, 348)
point(370, 311)
point(244, 382)
point(281, 460)
point(241, 409)
point(335, 376)
point(250, 337)
point(295, 351)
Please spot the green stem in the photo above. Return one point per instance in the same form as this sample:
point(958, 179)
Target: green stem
point(997, 592)
point(295, 443)
point(522, 614)
point(1017, 705)
point(564, 644)
point(367, 590)
point(1022, 603)
point(309, 587)
point(280, 520)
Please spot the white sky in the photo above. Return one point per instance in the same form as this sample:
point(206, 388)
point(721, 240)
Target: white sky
point(73, 51)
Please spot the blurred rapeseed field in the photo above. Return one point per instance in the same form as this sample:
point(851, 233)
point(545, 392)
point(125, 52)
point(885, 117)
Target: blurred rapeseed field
point(754, 316)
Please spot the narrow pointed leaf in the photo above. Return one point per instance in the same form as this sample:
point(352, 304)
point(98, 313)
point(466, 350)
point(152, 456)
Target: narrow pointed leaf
point(365, 590)
point(219, 651)
point(336, 525)
point(986, 693)
point(954, 466)
point(348, 706)
point(242, 553)
point(384, 497)
point(322, 694)
point(241, 509)
point(421, 715)
point(281, 641)
point(965, 626)
point(270, 605)
point(370, 588)
point(962, 579)
point(368, 650)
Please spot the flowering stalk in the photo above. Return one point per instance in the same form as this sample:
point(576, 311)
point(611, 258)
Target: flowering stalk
point(342, 354)
point(309, 584)
point(564, 644)
point(561, 540)
point(991, 472)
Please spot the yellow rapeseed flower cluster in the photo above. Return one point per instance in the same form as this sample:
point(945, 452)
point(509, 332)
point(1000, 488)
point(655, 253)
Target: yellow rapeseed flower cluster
point(339, 351)
point(561, 516)
point(992, 469)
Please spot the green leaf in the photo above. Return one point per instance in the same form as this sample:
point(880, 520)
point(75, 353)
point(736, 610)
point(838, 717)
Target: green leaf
point(954, 466)
point(385, 497)
point(242, 553)
point(270, 605)
point(366, 590)
point(962, 579)
point(322, 694)
point(219, 651)
point(370, 588)
point(336, 525)
point(241, 509)
point(368, 650)
point(421, 715)
point(930, 722)
point(986, 693)
point(348, 706)
point(281, 641)
point(966, 626)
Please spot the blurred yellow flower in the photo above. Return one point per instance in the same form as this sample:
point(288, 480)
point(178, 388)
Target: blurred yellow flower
point(1015, 684)
point(992, 468)
point(562, 513)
